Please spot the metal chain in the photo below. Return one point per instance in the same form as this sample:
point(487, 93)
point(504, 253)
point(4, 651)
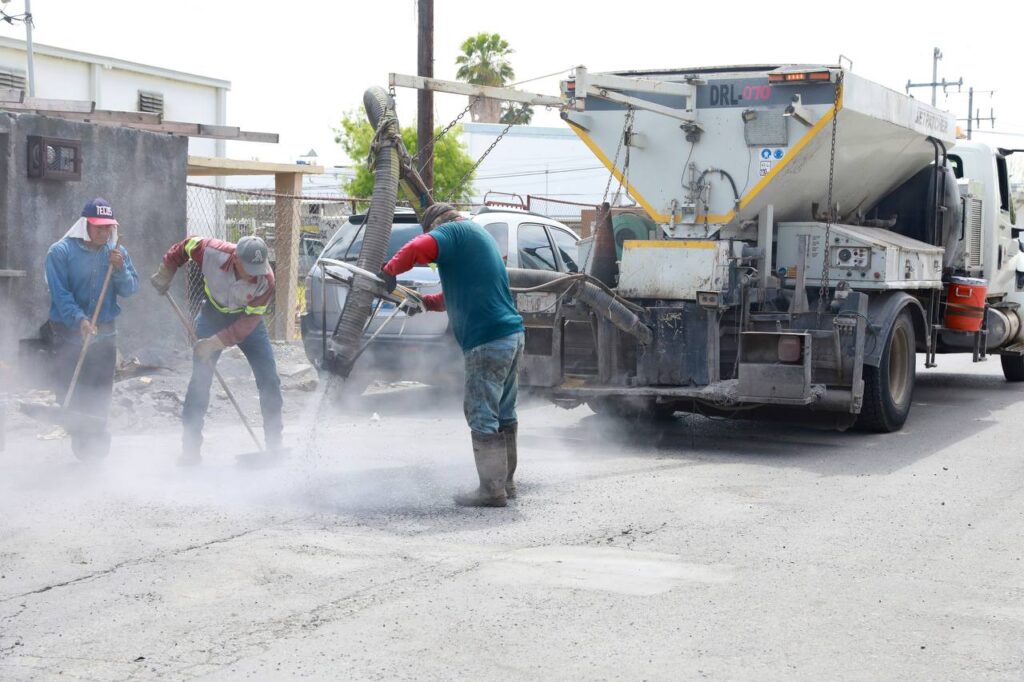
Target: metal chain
point(600, 218)
point(618, 150)
point(823, 290)
point(476, 165)
point(443, 132)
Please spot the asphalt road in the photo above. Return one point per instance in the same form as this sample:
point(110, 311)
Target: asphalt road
point(699, 549)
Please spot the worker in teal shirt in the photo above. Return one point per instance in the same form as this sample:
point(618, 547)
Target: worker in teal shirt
point(484, 319)
point(75, 269)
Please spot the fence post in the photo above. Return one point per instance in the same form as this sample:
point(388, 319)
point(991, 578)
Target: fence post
point(287, 226)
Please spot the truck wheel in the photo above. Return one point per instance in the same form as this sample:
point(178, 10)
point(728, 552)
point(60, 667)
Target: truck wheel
point(889, 388)
point(1013, 367)
point(632, 408)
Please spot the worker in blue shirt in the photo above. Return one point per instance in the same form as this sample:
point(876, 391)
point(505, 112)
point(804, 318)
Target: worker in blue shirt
point(75, 269)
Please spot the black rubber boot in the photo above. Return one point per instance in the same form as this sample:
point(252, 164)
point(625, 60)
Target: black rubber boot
point(492, 468)
point(511, 429)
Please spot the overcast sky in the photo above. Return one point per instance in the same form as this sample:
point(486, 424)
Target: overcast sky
point(296, 65)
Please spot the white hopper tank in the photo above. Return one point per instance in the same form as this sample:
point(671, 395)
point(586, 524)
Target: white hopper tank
point(771, 156)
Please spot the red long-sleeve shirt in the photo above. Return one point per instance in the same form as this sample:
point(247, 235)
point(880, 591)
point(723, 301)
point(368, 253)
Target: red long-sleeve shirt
point(420, 251)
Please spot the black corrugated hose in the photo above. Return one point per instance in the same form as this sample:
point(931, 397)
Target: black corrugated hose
point(596, 296)
point(380, 109)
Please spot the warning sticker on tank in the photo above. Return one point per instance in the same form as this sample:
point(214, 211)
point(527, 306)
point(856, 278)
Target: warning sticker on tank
point(766, 168)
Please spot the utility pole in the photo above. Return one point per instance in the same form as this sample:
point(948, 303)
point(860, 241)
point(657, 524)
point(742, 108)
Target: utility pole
point(975, 116)
point(936, 56)
point(424, 97)
point(28, 49)
point(26, 16)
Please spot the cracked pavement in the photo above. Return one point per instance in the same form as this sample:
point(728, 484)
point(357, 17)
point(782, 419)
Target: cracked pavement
point(698, 548)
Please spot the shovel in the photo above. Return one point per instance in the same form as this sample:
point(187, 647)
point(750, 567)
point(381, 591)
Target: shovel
point(61, 414)
point(250, 459)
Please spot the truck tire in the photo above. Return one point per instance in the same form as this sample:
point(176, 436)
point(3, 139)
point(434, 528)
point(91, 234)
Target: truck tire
point(889, 388)
point(1013, 367)
point(634, 409)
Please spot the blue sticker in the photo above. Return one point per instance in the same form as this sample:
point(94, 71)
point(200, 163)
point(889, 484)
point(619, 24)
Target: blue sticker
point(766, 153)
point(778, 153)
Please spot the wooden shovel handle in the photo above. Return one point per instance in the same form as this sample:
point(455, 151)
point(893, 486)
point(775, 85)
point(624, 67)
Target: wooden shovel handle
point(88, 338)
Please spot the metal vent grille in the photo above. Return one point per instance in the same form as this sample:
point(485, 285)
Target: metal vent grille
point(11, 81)
point(972, 227)
point(766, 129)
point(151, 102)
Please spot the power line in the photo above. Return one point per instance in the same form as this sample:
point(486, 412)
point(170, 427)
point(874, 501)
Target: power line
point(539, 172)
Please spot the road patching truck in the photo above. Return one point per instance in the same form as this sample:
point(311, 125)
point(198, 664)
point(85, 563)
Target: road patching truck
point(815, 231)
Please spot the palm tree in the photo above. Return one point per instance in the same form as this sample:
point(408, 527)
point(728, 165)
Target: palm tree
point(484, 61)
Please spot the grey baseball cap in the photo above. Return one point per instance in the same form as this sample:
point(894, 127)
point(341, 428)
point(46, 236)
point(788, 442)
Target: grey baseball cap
point(253, 253)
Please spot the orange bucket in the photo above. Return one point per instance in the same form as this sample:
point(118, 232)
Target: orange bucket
point(965, 303)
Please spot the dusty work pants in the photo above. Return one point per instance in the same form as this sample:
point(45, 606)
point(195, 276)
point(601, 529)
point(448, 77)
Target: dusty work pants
point(260, 354)
point(492, 383)
point(89, 437)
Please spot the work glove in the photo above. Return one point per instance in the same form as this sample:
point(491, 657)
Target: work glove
point(205, 348)
point(162, 278)
point(411, 308)
point(390, 281)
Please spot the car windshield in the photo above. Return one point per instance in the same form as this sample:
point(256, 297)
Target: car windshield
point(350, 241)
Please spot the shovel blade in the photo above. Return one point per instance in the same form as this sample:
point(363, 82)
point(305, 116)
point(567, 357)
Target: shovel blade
point(55, 414)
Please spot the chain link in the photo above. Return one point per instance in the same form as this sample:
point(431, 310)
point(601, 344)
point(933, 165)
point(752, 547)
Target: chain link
point(618, 150)
point(825, 274)
point(476, 165)
point(442, 133)
point(600, 217)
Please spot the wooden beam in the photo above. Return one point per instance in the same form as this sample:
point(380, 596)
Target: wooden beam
point(287, 225)
point(250, 136)
point(128, 118)
point(83, 111)
point(213, 166)
point(36, 104)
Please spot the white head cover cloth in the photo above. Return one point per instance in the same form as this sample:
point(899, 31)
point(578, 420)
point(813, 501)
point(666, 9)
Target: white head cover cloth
point(80, 230)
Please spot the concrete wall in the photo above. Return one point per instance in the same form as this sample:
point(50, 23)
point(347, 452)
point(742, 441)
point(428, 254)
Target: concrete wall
point(142, 174)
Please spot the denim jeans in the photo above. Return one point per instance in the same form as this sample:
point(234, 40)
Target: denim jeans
point(258, 351)
point(492, 383)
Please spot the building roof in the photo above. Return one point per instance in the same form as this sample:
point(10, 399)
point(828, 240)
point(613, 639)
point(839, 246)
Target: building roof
point(113, 63)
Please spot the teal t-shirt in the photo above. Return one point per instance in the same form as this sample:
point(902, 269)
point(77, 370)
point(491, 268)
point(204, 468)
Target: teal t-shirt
point(475, 284)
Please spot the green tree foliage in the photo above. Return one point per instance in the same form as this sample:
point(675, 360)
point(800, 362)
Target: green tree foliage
point(519, 114)
point(484, 60)
point(451, 159)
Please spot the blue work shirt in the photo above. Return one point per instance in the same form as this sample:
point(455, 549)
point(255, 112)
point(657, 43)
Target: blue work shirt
point(74, 274)
point(475, 284)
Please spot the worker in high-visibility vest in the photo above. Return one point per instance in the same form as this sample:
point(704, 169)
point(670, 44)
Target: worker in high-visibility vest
point(239, 283)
